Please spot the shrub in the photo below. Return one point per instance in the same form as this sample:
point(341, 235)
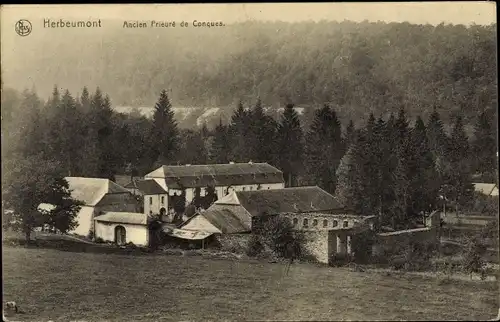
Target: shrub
point(90, 235)
point(414, 256)
point(277, 233)
point(255, 246)
point(472, 261)
point(99, 240)
point(361, 245)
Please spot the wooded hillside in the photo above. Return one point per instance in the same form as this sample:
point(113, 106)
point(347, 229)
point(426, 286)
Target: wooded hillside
point(357, 67)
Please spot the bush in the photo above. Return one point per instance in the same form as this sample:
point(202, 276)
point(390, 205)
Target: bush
point(414, 256)
point(99, 240)
point(90, 235)
point(472, 256)
point(361, 245)
point(233, 243)
point(278, 234)
point(255, 246)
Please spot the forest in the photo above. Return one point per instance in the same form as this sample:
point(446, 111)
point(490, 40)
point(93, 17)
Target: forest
point(387, 166)
point(360, 68)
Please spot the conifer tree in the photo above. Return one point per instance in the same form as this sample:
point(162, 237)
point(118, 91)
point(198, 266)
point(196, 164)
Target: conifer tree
point(164, 138)
point(290, 145)
point(484, 146)
point(192, 149)
point(221, 146)
point(350, 135)
point(324, 148)
point(458, 175)
point(239, 133)
point(424, 185)
point(262, 135)
point(436, 135)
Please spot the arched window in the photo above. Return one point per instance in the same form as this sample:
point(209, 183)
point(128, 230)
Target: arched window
point(325, 223)
point(305, 222)
point(335, 223)
point(315, 222)
point(346, 224)
point(295, 221)
point(162, 200)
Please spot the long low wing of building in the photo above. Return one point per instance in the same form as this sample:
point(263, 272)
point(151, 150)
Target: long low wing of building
point(188, 180)
point(241, 211)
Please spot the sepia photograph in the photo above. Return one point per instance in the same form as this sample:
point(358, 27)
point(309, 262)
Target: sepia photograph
point(250, 162)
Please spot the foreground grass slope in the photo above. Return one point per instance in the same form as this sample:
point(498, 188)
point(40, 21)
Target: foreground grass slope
point(64, 286)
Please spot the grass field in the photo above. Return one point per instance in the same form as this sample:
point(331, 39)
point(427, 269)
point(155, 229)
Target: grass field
point(64, 286)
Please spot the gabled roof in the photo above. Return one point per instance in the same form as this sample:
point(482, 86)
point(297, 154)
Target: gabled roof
point(228, 219)
point(151, 187)
point(290, 200)
point(123, 218)
point(91, 190)
point(127, 181)
point(192, 176)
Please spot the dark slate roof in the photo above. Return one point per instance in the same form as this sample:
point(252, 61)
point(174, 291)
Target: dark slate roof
point(127, 181)
point(150, 187)
point(229, 219)
point(192, 176)
point(294, 200)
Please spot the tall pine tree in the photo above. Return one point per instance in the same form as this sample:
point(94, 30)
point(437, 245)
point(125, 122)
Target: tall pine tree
point(324, 148)
point(239, 133)
point(221, 146)
point(484, 146)
point(458, 175)
point(290, 145)
point(164, 138)
point(423, 183)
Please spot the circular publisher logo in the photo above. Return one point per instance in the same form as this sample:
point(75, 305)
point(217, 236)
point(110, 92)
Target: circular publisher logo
point(23, 27)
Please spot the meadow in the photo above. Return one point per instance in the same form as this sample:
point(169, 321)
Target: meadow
point(52, 284)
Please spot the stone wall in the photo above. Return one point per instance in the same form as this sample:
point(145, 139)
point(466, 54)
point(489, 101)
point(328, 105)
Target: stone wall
point(321, 245)
point(391, 242)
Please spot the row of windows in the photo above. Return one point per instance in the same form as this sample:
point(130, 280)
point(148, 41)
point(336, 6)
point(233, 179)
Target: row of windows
point(305, 223)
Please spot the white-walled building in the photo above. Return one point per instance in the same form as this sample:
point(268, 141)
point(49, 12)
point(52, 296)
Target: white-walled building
point(122, 228)
point(98, 195)
point(162, 185)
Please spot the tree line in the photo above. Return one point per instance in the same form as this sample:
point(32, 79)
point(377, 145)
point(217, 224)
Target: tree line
point(392, 167)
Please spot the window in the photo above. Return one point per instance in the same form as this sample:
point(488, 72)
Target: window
point(150, 200)
point(346, 224)
point(243, 188)
point(315, 222)
point(295, 221)
point(325, 223)
point(162, 199)
point(335, 223)
point(305, 223)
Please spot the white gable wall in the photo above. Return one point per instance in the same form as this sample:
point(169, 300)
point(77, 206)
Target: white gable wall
point(153, 203)
point(84, 220)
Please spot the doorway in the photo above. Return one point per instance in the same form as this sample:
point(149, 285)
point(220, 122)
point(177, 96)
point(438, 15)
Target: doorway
point(120, 235)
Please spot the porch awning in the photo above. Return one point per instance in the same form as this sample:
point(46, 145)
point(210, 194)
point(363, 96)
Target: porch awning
point(187, 234)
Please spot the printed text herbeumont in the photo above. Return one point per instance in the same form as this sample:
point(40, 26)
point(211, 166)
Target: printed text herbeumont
point(63, 23)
